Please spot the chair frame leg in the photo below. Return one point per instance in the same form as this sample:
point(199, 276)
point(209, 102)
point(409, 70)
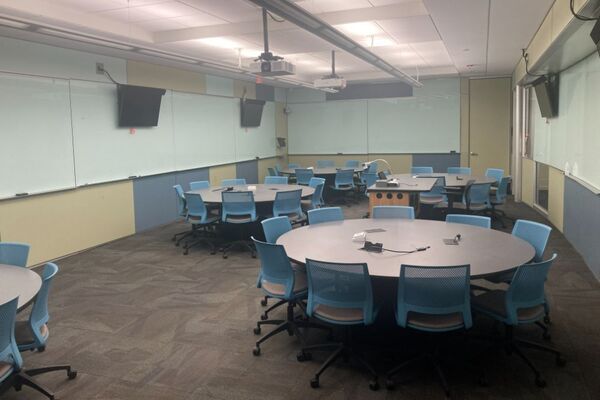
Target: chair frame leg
point(23, 379)
point(198, 241)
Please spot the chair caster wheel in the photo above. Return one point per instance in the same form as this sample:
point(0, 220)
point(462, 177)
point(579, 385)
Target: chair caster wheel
point(374, 385)
point(302, 356)
point(185, 252)
point(213, 252)
point(72, 374)
point(257, 330)
point(389, 384)
point(253, 255)
point(41, 349)
point(546, 336)
point(263, 302)
point(560, 361)
point(176, 244)
point(547, 320)
point(224, 256)
point(256, 351)
point(314, 383)
point(540, 382)
point(264, 317)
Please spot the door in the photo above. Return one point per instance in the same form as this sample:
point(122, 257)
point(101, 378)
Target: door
point(489, 124)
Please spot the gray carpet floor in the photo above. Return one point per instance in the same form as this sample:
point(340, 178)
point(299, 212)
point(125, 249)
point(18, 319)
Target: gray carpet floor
point(139, 320)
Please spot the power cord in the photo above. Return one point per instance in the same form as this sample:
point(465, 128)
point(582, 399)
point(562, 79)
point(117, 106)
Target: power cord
point(273, 17)
point(525, 57)
point(418, 249)
point(580, 17)
point(110, 77)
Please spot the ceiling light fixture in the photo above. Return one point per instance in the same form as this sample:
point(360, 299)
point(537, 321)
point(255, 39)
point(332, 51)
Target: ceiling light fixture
point(305, 20)
point(360, 28)
point(13, 24)
point(220, 42)
point(83, 38)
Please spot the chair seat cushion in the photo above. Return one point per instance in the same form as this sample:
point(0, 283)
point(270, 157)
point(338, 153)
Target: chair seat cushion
point(239, 219)
point(493, 302)
point(5, 370)
point(431, 199)
point(339, 314)
point(343, 187)
point(210, 220)
point(24, 335)
point(441, 322)
point(277, 289)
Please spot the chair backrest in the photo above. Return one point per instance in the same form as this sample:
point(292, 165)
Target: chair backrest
point(339, 286)
point(304, 176)
point(238, 204)
point(277, 169)
point(475, 220)
point(275, 227)
point(368, 179)
point(459, 170)
point(502, 190)
point(496, 173)
point(403, 212)
point(325, 164)
point(276, 180)
point(352, 163)
point(527, 288)
point(272, 171)
point(195, 206)
point(421, 170)
point(8, 347)
point(233, 182)
point(181, 210)
point(294, 165)
point(39, 312)
point(14, 253)
point(314, 181)
point(534, 233)
point(372, 167)
point(288, 202)
point(434, 290)
point(198, 185)
point(326, 214)
point(478, 193)
point(344, 177)
point(275, 266)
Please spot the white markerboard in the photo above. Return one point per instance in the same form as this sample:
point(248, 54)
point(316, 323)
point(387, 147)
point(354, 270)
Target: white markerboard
point(36, 153)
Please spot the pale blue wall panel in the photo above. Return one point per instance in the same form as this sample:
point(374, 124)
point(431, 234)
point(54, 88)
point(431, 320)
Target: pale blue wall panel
point(154, 201)
point(247, 170)
point(439, 162)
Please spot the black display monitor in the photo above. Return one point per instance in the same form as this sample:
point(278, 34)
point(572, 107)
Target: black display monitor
point(546, 92)
point(139, 106)
point(251, 112)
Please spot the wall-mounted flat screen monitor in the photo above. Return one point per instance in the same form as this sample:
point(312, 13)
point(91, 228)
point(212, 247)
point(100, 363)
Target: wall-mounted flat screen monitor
point(139, 106)
point(251, 112)
point(546, 92)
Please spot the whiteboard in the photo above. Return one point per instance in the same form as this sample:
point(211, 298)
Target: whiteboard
point(256, 142)
point(328, 127)
point(36, 153)
point(204, 130)
point(427, 122)
point(103, 151)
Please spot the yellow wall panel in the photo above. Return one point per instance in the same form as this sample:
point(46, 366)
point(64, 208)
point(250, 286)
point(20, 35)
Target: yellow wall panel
point(528, 181)
point(220, 172)
point(464, 122)
point(61, 223)
point(400, 163)
point(311, 160)
point(146, 74)
point(265, 163)
point(556, 192)
point(239, 86)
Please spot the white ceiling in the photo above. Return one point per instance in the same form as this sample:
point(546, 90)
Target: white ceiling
point(425, 38)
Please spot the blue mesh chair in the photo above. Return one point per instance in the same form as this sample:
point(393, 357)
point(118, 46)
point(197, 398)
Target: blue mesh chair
point(14, 254)
point(272, 171)
point(182, 213)
point(199, 185)
point(202, 223)
point(403, 212)
point(325, 164)
point(10, 359)
point(33, 333)
point(475, 220)
point(372, 167)
point(421, 170)
point(279, 279)
point(239, 209)
point(498, 199)
point(316, 200)
point(325, 214)
point(352, 164)
point(276, 180)
point(496, 173)
point(277, 169)
point(436, 195)
point(344, 181)
point(294, 166)
point(367, 179)
point(535, 234)
point(233, 182)
point(459, 170)
point(522, 304)
point(304, 175)
point(476, 197)
point(432, 299)
point(340, 295)
point(288, 203)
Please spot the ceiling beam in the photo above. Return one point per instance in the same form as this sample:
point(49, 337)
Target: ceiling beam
point(333, 18)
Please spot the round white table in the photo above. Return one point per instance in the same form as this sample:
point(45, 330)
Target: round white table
point(262, 194)
point(487, 251)
point(321, 171)
point(452, 180)
point(18, 281)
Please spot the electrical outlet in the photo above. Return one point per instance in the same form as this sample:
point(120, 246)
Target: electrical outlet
point(100, 68)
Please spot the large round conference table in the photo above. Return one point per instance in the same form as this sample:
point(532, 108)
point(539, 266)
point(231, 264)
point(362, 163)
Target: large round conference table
point(262, 193)
point(321, 171)
point(487, 251)
point(452, 180)
point(18, 281)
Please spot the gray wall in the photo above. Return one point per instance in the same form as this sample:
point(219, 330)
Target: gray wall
point(582, 223)
point(372, 91)
point(439, 162)
point(248, 170)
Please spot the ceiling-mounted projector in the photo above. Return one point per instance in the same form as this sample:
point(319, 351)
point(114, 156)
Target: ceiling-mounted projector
point(332, 81)
point(272, 67)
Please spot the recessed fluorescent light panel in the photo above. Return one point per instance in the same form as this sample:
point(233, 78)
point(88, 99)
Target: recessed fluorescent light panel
point(220, 42)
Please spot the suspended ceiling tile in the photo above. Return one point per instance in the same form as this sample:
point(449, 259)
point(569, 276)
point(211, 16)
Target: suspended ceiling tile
point(411, 29)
